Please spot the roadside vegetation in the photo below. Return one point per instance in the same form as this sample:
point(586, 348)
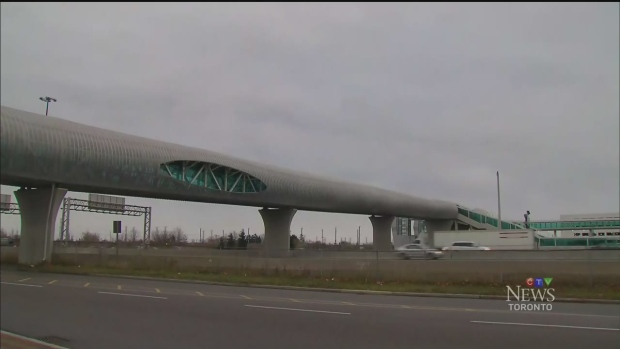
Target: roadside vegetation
point(280, 277)
point(370, 279)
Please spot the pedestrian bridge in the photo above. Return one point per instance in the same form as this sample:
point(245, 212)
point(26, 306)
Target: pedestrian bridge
point(540, 225)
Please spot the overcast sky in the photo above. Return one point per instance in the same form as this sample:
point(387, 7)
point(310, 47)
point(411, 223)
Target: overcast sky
point(426, 99)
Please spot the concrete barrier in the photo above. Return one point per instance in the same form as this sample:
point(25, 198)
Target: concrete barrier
point(527, 255)
point(539, 255)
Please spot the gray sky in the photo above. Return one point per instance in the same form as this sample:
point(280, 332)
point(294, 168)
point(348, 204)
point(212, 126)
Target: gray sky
point(427, 99)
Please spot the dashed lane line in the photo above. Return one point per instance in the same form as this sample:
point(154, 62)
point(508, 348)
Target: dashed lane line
point(130, 295)
point(321, 302)
point(546, 325)
point(15, 284)
point(303, 310)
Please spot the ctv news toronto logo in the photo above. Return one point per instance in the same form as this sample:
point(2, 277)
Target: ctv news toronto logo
point(536, 296)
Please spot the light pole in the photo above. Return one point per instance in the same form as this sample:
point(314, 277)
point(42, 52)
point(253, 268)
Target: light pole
point(499, 206)
point(47, 101)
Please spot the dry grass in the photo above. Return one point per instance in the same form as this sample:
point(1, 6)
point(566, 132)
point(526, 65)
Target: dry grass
point(474, 283)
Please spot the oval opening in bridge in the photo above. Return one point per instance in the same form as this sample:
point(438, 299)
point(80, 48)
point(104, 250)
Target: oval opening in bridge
point(212, 176)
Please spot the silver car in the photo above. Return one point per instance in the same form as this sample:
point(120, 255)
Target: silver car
point(466, 246)
point(7, 242)
point(418, 251)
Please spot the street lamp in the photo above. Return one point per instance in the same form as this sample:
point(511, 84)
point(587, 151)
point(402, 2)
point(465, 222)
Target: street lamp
point(47, 101)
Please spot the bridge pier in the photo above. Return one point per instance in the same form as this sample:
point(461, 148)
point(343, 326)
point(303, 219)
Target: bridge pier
point(382, 232)
point(38, 209)
point(277, 229)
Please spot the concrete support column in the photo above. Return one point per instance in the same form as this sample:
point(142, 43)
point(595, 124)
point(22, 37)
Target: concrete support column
point(382, 232)
point(38, 209)
point(277, 229)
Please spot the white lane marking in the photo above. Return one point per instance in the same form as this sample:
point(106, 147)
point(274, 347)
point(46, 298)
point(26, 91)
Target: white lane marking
point(14, 284)
point(130, 295)
point(292, 309)
point(543, 325)
point(33, 341)
point(26, 279)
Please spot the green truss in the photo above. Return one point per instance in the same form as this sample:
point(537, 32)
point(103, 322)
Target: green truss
point(212, 176)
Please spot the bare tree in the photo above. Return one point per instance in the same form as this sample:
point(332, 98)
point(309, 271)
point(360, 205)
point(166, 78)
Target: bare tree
point(168, 237)
point(158, 237)
point(90, 237)
point(133, 235)
point(179, 235)
point(14, 234)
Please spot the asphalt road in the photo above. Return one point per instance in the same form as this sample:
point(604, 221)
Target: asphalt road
point(98, 312)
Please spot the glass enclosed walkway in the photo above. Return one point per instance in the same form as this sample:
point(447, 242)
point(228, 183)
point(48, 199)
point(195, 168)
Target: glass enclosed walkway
point(576, 225)
point(543, 225)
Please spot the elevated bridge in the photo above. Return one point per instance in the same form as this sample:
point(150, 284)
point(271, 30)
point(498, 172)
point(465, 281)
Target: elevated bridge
point(47, 156)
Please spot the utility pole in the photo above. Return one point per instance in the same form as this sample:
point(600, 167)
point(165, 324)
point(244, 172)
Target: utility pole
point(335, 235)
point(322, 238)
point(499, 206)
point(117, 244)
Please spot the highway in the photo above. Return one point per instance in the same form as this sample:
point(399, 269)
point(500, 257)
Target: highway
point(101, 312)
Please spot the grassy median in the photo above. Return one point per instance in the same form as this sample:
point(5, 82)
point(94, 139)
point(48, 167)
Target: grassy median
point(563, 288)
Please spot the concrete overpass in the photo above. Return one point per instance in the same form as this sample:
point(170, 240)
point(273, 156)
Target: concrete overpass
point(47, 156)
